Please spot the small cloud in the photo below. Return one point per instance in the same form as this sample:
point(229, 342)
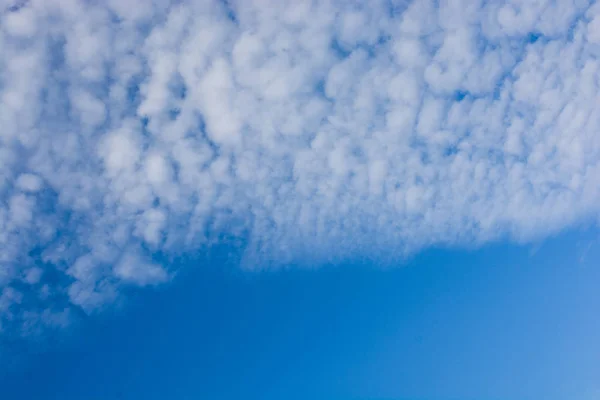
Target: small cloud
point(33, 275)
point(133, 269)
point(29, 182)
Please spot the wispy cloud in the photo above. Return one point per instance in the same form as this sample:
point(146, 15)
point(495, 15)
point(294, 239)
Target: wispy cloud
point(310, 129)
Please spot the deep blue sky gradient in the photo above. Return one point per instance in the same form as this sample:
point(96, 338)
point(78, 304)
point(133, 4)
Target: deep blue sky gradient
point(504, 322)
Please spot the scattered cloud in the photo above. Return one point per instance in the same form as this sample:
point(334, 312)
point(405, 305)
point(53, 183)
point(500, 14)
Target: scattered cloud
point(309, 129)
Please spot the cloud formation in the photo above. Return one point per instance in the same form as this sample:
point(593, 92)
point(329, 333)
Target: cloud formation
point(310, 130)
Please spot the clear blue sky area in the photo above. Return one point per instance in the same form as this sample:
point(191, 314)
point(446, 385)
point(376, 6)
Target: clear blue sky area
point(504, 322)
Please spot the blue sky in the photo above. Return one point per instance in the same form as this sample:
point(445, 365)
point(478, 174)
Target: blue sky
point(369, 177)
point(503, 322)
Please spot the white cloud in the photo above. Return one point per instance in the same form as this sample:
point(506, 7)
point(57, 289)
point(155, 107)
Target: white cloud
point(21, 23)
point(33, 275)
point(29, 182)
point(310, 130)
point(132, 269)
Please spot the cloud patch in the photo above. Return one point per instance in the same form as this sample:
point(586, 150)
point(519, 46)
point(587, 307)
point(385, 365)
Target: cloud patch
point(310, 130)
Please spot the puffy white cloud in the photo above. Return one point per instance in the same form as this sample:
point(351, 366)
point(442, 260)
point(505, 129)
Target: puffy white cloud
point(33, 275)
point(309, 130)
point(132, 269)
point(29, 182)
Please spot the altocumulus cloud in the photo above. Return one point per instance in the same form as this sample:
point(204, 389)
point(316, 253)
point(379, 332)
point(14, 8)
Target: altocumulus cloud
point(309, 130)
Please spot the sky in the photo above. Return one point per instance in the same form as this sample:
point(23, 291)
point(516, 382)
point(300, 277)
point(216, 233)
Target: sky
point(502, 322)
point(325, 180)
